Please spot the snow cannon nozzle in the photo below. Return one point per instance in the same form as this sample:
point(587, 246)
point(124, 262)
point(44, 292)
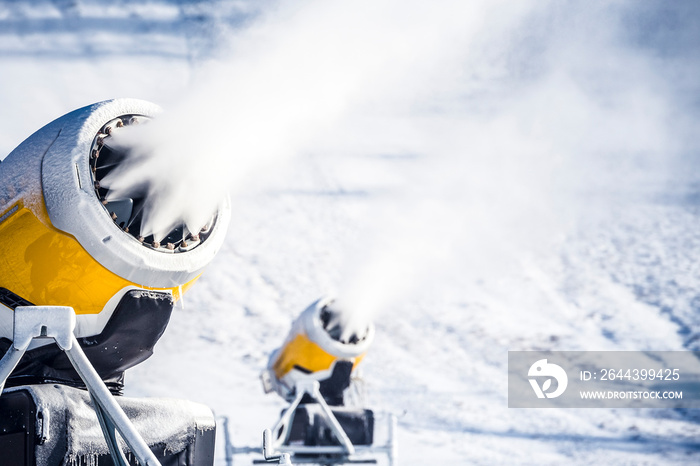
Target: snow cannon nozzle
point(128, 208)
point(335, 323)
point(57, 201)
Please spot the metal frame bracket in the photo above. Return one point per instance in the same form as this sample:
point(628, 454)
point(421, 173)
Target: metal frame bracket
point(58, 323)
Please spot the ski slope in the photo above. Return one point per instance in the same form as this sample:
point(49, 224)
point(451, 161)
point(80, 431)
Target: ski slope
point(617, 272)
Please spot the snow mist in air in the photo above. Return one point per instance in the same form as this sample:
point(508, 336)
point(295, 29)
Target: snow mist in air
point(534, 115)
point(282, 85)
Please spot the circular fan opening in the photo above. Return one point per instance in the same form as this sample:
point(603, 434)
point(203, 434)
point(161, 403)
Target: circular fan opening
point(127, 211)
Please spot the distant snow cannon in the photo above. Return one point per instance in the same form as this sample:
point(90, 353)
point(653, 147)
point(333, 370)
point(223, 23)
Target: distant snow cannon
point(326, 421)
point(67, 242)
point(319, 347)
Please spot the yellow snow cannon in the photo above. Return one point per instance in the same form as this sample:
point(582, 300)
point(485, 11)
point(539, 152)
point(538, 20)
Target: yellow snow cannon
point(319, 347)
point(68, 242)
point(326, 421)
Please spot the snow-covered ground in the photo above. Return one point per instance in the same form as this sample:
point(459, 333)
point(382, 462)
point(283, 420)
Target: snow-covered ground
point(617, 272)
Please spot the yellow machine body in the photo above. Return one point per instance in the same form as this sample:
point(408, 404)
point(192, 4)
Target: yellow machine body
point(62, 241)
point(313, 349)
point(49, 267)
point(302, 354)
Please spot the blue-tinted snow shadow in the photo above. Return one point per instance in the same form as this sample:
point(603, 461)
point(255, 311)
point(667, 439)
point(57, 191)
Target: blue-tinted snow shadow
point(339, 193)
point(631, 442)
point(184, 36)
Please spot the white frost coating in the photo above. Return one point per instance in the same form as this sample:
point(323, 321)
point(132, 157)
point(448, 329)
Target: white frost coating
point(20, 172)
point(7, 320)
point(74, 208)
point(310, 323)
point(75, 433)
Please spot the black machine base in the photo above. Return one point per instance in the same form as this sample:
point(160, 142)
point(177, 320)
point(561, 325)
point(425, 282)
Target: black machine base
point(37, 429)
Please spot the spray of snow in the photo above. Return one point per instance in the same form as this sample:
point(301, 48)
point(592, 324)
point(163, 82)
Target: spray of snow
point(524, 108)
point(284, 82)
point(549, 125)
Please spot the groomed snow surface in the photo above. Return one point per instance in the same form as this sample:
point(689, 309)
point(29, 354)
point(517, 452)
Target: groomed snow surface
point(626, 278)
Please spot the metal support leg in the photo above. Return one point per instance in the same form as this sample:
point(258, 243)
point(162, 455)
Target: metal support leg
point(310, 387)
point(228, 444)
point(110, 433)
point(58, 322)
point(393, 445)
point(271, 454)
point(104, 399)
point(282, 427)
point(39, 322)
point(330, 417)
